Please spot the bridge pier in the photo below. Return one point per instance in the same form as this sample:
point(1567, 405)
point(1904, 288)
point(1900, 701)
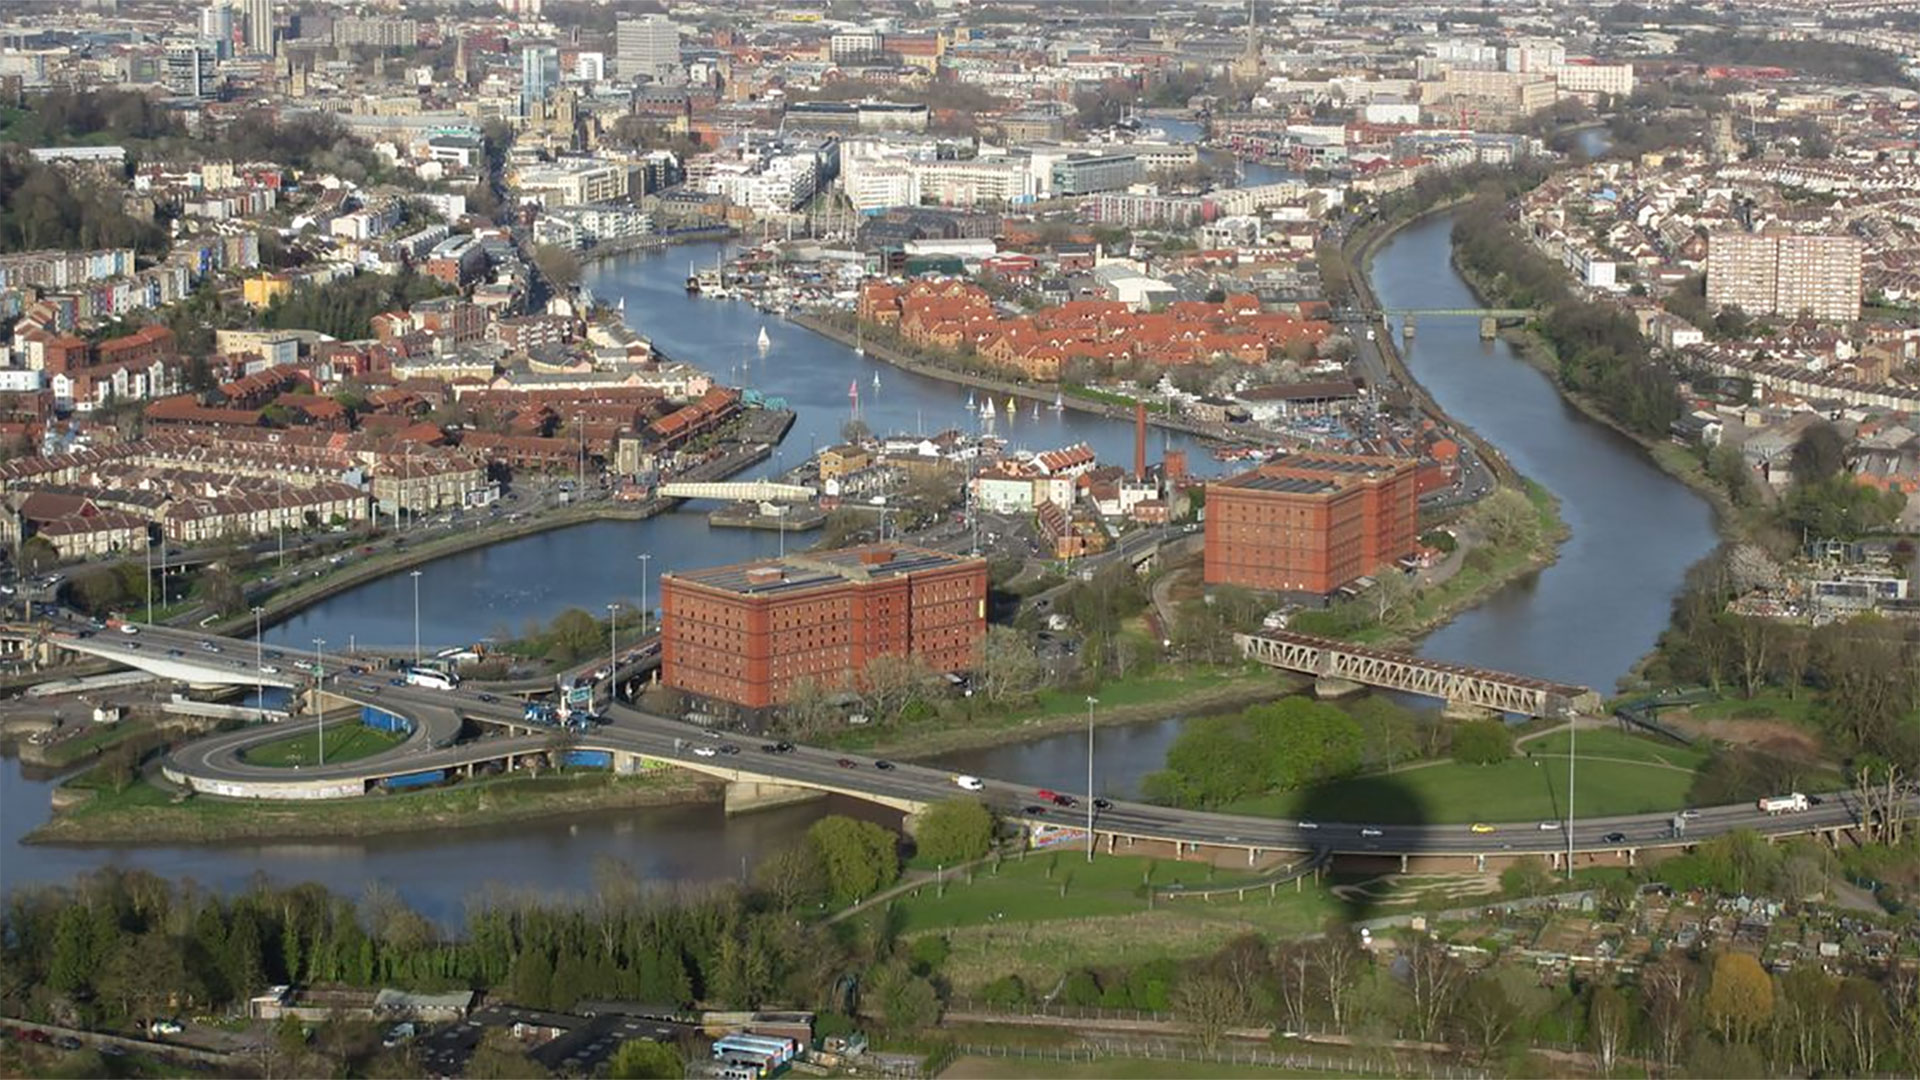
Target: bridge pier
point(1460, 710)
point(1329, 687)
point(747, 796)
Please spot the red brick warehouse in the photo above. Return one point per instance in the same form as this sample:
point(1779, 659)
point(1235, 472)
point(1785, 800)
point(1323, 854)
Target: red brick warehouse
point(1311, 522)
point(745, 633)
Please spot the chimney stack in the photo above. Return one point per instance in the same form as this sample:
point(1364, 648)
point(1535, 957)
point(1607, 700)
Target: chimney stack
point(1139, 440)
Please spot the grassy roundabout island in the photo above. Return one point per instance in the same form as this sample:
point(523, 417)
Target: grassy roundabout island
point(343, 743)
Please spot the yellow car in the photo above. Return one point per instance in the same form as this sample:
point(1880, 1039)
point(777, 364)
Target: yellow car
point(1482, 827)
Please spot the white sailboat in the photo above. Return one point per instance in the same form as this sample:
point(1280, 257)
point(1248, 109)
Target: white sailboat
point(969, 400)
point(987, 411)
point(1059, 403)
point(765, 341)
point(860, 345)
point(1036, 410)
point(876, 380)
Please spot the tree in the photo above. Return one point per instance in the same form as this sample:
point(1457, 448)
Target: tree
point(1668, 988)
point(1485, 1016)
point(574, 634)
point(1482, 742)
point(894, 681)
point(954, 831)
point(906, 1001)
point(38, 554)
point(1818, 453)
point(791, 876)
point(1607, 1025)
point(98, 591)
point(645, 1059)
point(1739, 997)
point(1509, 519)
point(859, 857)
point(220, 590)
point(560, 265)
point(855, 431)
point(1008, 668)
point(1526, 876)
point(1433, 983)
point(810, 708)
point(1209, 1004)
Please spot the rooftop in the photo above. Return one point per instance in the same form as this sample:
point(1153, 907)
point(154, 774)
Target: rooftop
point(868, 562)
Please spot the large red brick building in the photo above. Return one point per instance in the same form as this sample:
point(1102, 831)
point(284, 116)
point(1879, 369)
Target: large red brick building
point(1311, 522)
point(745, 633)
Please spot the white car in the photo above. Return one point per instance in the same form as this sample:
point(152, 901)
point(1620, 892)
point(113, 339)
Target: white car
point(1549, 826)
point(129, 628)
point(969, 783)
point(705, 751)
point(1370, 831)
point(1309, 824)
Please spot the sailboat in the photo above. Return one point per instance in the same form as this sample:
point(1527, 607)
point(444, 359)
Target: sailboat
point(1036, 410)
point(1011, 408)
point(969, 400)
point(876, 380)
point(987, 411)
point(860, 346)
point(1059, 403)
point(765, 341)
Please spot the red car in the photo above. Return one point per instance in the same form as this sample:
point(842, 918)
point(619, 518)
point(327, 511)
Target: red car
point(1046, 795)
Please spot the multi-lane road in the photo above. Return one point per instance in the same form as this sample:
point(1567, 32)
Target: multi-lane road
point(441, 719)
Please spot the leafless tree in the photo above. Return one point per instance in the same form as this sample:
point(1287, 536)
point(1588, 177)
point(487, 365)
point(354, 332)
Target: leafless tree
point(1434, 980)
point(1209, 1004)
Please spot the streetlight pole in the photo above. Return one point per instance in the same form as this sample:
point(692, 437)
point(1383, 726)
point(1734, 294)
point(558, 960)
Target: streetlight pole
point(1573, 726)
point(1091, 702)
point(319, 698)
point(646, 572)
point(149, 554)
point(580, 463)
point(613, 654)
point(416, 617)
point(259, 668)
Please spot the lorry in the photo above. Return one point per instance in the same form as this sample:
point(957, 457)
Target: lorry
point(1785, 804)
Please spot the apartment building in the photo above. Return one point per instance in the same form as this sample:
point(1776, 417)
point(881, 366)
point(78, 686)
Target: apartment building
point(1785, 274)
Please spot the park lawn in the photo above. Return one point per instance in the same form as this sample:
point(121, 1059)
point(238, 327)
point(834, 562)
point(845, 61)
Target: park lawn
point(342, 744)
point(1804, 709)
point(1030, 889)
point(1517, 790)
point(1617, 744)
point(1014, 1068)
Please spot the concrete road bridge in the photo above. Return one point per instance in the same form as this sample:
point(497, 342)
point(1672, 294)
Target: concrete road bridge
point(1341, 667)
point(737, 491)
point(465, 732)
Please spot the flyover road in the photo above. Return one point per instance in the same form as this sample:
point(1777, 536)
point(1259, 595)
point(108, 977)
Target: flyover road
point(440, 716)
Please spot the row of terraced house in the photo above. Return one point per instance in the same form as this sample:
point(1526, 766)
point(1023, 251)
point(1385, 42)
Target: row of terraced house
point(955, 315)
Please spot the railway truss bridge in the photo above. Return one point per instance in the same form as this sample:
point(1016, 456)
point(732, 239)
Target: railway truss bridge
point(1339, 667)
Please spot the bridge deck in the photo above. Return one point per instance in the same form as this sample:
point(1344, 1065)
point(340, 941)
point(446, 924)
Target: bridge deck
point(1527, 681)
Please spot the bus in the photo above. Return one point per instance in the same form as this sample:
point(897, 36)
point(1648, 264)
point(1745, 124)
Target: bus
point(438, 680)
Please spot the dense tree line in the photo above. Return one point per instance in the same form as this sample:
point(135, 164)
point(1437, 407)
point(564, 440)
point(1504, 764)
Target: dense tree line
point(62, 116)
point(1599, 350)
point(343, 309)
point(124, 946)
point(1284, 746)
point(1819, 59)
point(40, 208)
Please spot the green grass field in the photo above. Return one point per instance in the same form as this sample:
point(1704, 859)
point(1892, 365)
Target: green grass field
point(1617, 744)
point(341, 744)
point(1519, 790)
point(1049, 885)
point(1803, 709)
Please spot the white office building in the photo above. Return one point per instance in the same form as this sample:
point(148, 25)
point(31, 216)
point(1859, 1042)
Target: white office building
point(647, 47)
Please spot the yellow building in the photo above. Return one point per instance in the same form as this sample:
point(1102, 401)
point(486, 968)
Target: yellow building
point(264, 289)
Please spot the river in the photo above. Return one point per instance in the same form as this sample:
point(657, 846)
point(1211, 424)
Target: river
point(1585, 619)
